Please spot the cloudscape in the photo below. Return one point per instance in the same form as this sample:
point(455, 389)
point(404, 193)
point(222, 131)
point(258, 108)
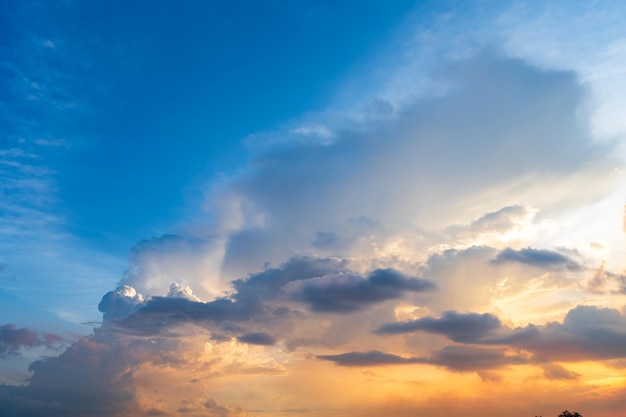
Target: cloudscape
point(312, 209)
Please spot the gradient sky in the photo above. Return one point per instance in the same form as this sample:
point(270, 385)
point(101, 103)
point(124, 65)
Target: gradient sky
point(230, 208)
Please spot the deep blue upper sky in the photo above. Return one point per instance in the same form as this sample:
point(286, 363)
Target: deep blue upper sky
point(162, 95)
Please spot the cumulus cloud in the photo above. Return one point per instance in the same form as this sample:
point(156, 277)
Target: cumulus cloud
point(157, 262)
point(119, 303)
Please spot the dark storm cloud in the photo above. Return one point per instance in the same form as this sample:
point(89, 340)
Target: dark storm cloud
point(464, 328)
point(540, 258)
point(13, 339)
point(345, 293)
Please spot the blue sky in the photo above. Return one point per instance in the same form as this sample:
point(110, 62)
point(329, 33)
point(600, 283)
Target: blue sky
point(200, 192)
point(123, 113)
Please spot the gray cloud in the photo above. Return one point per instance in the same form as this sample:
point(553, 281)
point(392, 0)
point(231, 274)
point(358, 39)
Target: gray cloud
point(455, 358)
point(92, 377)
point(464, 328)
point(474, 358)
point(540, 258)
point(267, 285)
point(587, 333)
point(255, 296)
point(320, 283)
point(346, 293)
point(160, 315)
point(13, 339)
point(371, 358)
point(257, 338)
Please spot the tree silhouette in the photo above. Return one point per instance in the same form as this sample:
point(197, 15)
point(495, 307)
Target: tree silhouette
point(566, 413)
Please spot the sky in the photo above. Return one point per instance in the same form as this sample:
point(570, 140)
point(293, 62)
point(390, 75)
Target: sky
point(359, 208)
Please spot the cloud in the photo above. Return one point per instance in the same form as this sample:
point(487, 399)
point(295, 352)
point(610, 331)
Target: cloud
point(270, 296)
point(509, 223)
point(502, 149)
point(372, 358)
point(90, 378)
point(254, 296)
point(119, 303)
point(501, 221)
point(217, 410)
point(554, 371)
point(267, 284)
point(157, 262)
point(262, 339)
point(587, 333)
point(464, 328)
point(474, 358)
point(455, 358)
point(13, 339)
point(540, 258)
point(345, 293)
